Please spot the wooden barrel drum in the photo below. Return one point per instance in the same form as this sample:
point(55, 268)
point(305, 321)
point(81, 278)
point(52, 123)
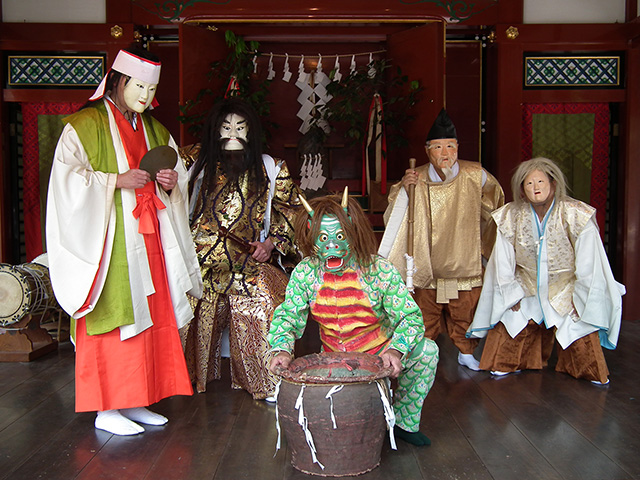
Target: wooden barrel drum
point(341, 428)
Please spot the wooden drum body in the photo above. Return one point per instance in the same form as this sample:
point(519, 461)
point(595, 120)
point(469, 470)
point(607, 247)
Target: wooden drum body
point(332, 412)
point(25, 296)
point(24, 289)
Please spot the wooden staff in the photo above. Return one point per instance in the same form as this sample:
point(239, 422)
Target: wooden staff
point(410, 221)
point(224, 233)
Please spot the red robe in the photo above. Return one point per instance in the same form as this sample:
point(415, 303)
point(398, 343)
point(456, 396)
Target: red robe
point(144, 369)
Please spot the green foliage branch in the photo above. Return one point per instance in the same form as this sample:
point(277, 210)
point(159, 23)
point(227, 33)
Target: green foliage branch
point(239, 64)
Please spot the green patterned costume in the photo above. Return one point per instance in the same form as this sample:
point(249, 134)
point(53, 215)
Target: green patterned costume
point(398, 324)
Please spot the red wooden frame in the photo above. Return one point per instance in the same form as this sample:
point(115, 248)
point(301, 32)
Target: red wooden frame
point(469, 12)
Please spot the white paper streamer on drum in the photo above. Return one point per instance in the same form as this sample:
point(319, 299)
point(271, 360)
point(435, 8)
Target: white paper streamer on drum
point(389, 416)
point(275, 395)
point(302, 421)
point(329, 395)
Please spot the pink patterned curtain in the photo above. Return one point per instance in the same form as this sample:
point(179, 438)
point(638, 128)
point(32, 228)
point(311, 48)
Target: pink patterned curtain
point(42, 125)
point(576, 136)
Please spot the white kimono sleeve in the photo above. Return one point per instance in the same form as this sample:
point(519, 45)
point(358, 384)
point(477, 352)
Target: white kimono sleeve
point(500, 292)
point(597, 296)
point(79, 211)
point(183, 269)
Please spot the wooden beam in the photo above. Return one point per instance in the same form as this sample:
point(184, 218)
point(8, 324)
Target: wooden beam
point(118, 11)
point(47, 95)
point(510, 11)
point(507, 110)
point(631, 10)
point(559, 95)
point(629, 227)
point(5, 211)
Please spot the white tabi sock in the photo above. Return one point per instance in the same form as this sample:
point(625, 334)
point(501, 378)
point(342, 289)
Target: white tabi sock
point(499, 373)
point(112, 421)
point(467, 360)
point(143, 415)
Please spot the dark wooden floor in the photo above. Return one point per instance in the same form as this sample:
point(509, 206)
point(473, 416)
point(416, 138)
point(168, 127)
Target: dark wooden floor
point(533, 425)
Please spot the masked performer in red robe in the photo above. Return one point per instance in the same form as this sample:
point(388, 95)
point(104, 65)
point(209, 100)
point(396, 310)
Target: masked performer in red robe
point(121, 258)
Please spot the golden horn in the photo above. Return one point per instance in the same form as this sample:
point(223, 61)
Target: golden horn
point(345, 198)
point(306, 205)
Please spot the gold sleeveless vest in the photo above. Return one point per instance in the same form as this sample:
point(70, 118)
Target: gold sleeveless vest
point(567, 219)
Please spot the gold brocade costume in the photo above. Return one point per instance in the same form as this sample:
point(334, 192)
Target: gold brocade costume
point(239, 292)
point(453, 230)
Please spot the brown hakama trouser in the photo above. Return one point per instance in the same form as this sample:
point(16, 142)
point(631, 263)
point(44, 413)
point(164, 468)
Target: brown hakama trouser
point(584, 359)
point(532, 347)
point(456, 316)
point(530, 350)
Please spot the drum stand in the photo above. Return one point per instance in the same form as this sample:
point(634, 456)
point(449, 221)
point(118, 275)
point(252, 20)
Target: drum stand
point(26, 340)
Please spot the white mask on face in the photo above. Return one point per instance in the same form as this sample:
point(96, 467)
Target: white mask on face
point(443, 152)
point(538, 188)
point(234, 127)
point(138, 95)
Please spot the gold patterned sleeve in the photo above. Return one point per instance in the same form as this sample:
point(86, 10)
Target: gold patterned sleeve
point(492, 199)
point(189, 154)
point(285, 205)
